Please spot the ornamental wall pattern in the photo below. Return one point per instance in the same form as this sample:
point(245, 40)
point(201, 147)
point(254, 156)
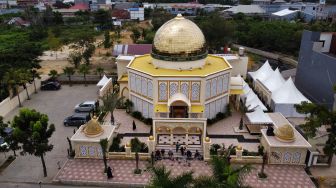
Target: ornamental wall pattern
point(142, 106)
point(141, 85)
point(217, 86)
point(191, 89)
point(214, 107)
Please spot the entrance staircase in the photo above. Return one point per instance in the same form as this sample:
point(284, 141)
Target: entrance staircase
point(191, 148)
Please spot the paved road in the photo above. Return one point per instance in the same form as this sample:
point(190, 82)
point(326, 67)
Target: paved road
point(57, 105)
point(35, 185)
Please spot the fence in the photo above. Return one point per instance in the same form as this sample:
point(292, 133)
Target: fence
point(9, 104)
point(123, 156)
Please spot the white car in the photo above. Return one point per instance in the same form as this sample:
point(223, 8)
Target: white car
point(87, 106)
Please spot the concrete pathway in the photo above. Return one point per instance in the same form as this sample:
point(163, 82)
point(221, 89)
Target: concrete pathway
point(90, 171)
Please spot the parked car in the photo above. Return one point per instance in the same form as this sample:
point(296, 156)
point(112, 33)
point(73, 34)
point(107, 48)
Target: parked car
point(87, 106)
point(51, 86)
point(76, 119)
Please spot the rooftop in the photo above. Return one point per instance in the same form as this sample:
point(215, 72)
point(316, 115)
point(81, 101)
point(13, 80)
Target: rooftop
point(278, 121)
point(213, 65)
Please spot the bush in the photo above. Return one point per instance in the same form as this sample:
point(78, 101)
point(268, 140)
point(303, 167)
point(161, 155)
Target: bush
point(115, 147)
point(143, 147)
point(245, 152)
point(137, 115)
point(261, 150)
point(214, 149)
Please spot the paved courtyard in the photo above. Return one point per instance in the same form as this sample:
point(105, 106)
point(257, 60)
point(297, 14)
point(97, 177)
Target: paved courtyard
point(91, 171)
point(57, 105)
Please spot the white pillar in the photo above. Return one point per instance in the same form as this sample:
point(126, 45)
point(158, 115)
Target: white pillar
point(206, 149)
point(128, 150)
point(151, 144)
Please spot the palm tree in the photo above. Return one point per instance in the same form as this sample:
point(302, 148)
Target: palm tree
point(100, 71)
point(12, 79)
point(69, 71)
point(103, 144)
point(162, 179)
point(84, 69)
point(110, 102)
point(75, 58)
point(53, 74)
point(136, 147)
point(35, 75)
point(24, 77)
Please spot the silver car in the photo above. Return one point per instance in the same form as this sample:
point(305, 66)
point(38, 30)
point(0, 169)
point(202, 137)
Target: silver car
point(87, 106)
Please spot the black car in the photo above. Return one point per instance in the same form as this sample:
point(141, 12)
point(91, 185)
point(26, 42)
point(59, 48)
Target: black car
point(51, 86)
point(76, 120)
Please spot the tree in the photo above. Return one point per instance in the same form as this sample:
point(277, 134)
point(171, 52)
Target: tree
point(33, 133)
point(84, 69)
point(13, 81)
point(9, 138)
point(100, 71)
point(136, 147)
point(241, 124)
point(128, 104)
point(24, 78)
point(162, 178)
point(103, 144)
point(110, 102)
point(136, 34)
point(102, 17)
point(107, 39)
point(35, 75)
point(75, 58)
point(53, 74)
point(317, 116)
point(69, 71)
point(53, 42)
point(88, 52)
point(58, 18)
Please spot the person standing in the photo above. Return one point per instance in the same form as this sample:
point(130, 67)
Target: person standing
point(134, 126)
point(177, 147)
point(182, 150)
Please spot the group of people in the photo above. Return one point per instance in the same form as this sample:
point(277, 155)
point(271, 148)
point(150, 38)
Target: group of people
point(161, 154)
point(188, 153)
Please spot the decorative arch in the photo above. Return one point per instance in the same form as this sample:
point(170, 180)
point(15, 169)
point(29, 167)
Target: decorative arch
point(180, 130)
point(125, 92)
point(195, 130)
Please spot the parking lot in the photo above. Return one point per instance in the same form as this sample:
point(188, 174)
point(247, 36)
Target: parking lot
point(57, 105)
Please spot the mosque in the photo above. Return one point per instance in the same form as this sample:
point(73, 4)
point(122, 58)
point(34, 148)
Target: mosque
point(179, 85)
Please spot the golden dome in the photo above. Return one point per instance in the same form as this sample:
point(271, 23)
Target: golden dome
point(285, 133)
point(179, 39)
point(93, 128)
point(239, 147)
point(207, 139)
point(151, 137)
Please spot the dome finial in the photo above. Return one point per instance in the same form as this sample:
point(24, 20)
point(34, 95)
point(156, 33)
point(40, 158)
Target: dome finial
point(179, 16)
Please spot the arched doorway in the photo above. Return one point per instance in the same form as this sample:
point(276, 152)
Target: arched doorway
point(178, 109)
point(179, 106)
point(125, 92)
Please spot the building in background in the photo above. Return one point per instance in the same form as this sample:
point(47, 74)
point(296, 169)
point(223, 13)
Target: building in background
point(137, 13)
point(316, 71)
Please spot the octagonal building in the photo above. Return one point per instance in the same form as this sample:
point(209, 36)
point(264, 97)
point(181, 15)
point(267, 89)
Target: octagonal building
point(179, 85)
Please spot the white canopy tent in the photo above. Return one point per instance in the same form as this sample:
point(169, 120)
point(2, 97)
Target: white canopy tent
point(258, 116)
point(251, 99)
point(274, 81)
point(285, 97)
point(252, 102)
point(262, 73)
point(102, 81)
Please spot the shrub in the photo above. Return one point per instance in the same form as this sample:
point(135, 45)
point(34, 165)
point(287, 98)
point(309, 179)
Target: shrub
point(115, 147)
point(143, 147)
point(137, 115)
point(261, 150)
point(245, 152)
